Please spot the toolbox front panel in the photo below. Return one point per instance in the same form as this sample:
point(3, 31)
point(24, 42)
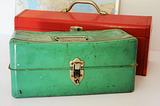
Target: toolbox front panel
point(39, 83)
point(138, 26)
point(30, 55)
point(40, 65)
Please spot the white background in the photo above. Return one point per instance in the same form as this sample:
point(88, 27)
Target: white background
point(147, 89)
point(128, 7)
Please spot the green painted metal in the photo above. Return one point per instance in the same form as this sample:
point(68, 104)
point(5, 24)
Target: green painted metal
point(40, 64)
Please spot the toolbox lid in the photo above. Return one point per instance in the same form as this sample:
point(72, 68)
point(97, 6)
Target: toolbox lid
point(55, 50)
point(37, 20)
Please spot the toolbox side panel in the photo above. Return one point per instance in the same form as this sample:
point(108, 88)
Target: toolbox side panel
point(148, 27)
point(13, 54)
point(146, 57)
point(140, 54)
point(39, 83)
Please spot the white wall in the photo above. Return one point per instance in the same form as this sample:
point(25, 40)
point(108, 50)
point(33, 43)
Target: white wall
point(7, 12)
point(130, 7)
point(146, 8)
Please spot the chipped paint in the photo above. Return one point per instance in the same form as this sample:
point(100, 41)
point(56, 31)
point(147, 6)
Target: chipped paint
point(93, 36)
point(109, 63)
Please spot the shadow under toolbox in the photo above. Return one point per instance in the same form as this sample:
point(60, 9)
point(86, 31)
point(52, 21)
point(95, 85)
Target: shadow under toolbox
point(72, 63)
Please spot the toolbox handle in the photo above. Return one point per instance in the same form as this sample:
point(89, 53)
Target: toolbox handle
point(71, 38)
point(84, 2)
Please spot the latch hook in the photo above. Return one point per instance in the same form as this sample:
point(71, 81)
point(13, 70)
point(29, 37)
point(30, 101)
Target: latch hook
point(76, 75)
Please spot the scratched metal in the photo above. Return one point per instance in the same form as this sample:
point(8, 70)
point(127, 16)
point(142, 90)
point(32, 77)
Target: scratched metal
point(40, 65)
point(94, 36)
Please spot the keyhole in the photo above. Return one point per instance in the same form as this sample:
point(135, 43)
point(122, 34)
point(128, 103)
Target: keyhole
point(76, 81)
point(78, 29)
point(76, 76)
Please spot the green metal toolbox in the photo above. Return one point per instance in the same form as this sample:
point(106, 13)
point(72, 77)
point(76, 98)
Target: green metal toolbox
point(72, 63)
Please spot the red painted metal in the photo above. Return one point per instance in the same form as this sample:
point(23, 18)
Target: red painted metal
point(138, 26)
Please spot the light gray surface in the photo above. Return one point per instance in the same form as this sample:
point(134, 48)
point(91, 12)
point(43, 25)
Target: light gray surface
point(146, 88)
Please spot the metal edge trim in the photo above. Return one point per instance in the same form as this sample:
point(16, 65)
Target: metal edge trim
point(134, 65)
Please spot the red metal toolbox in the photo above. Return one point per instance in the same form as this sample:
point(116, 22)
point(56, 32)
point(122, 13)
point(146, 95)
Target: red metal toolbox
point(138, 26)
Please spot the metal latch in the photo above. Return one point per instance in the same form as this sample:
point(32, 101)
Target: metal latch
point(77, 74)
point(76, 28)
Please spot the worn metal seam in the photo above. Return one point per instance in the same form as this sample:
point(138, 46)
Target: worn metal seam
point(134, 65)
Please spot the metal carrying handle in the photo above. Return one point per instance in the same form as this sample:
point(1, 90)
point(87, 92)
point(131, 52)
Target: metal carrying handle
point(71, 38)
point(84, 2)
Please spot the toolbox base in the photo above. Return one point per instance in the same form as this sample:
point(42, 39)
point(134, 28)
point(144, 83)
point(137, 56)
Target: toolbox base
point(46, 83)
